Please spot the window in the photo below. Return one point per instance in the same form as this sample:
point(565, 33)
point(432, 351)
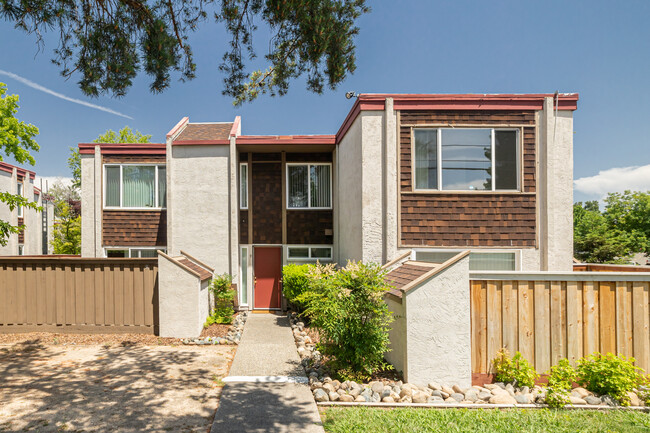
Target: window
point(243, 185)
point(306, 253)
point(478, 260)
point(464, 159)
point(21, 250)
point(243, 293)
point(135, 186)
point(309, 186)
point(146, 252)
point(19, 191)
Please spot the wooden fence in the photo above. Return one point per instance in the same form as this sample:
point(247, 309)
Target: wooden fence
point(78, 295)
point(549, 317)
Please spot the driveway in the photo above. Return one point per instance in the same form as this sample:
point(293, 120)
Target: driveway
point(92, 388)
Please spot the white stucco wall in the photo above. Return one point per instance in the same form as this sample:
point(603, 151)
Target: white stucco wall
point(391, 196)
point(530, 259)
point(7, 184)
point(181, 311)
point(397, 334)
point(372, 210)
point(33, 222)
point(439, 346)
point(199, 204)
point(349, 173)
point(89, 214)
point(556, 188)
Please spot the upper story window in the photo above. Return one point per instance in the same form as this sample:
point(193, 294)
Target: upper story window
point(309, 186)
point(19, 192)
point(243, 185)
point(466, 159)
point(135, 186)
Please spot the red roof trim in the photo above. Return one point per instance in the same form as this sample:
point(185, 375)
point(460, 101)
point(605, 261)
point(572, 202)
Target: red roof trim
point(22, 172)
point(286, 139)
point(178, 126)
point(123, 148)
point(375, 102)
point(198, 142)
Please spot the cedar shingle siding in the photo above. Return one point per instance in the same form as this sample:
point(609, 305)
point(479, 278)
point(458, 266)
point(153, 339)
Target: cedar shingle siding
point(267, 202)
point(310, 227)
point(468, 219)
point(134, 228)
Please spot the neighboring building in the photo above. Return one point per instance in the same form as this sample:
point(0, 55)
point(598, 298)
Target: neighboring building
point(37, 226)
point(431, 174)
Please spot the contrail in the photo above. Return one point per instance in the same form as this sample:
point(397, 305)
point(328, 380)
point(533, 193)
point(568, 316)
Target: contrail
point(36, 86)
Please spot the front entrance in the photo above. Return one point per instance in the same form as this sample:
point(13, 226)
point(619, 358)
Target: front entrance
point(268, 272)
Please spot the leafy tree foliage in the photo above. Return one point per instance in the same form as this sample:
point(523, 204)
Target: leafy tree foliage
point(66, 235)
point(16, 141)
point(629, 212)
point(109, 41)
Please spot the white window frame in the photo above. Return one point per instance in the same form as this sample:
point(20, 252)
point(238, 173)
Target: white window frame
point(244, 251)
point(440, 164)
point(243, 196)
point(309, 165)
point(121, 166)
point(20, 191)
point(517, 253)
point(129, 249)
point(310, 258)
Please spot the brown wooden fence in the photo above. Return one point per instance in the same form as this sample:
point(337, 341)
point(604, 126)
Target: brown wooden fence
point(78, 295)
point(547, 320)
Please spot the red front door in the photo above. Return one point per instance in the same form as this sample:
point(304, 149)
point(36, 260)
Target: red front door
point(268, 271)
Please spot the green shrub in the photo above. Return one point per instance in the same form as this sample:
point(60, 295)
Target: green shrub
point(517, 369)
point(294, 281)
point(348, 309)
point(223, 294)
point(560, 381)
point(609, 374)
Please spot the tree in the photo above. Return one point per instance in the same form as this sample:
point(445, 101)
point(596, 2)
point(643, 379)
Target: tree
point(16, 141)
point(125, 135)
point(66, 235)
point(629, 212)
point(109, 42)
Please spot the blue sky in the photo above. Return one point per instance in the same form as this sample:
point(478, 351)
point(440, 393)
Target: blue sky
point(599, 49)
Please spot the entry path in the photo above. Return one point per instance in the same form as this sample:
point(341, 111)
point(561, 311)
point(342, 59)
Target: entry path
point(266, 389)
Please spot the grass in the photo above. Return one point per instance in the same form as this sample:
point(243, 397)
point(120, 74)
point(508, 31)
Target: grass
point(377, 420)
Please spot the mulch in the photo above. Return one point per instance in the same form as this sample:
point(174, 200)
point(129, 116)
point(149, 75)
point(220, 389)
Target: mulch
point(88, 339)
point(215, 330)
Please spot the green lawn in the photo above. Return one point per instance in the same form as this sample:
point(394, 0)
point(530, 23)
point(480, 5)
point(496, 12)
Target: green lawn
point(375, 420)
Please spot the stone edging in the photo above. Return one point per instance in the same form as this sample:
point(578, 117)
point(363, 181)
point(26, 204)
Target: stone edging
point(481, 406)
point(233, 337)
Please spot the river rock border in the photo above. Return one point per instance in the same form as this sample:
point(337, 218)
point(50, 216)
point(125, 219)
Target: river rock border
point(396, 393)
point(233, 336)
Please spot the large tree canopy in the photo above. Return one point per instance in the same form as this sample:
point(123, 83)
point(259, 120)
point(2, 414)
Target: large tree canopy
point(107, 42)
point(16, 141)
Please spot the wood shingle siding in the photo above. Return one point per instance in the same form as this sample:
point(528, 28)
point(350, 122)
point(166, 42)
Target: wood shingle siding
point(469, 219)
point(243, 226)
point(310, 227)
point(134, 228)
point(21, 233)
point(267, 202)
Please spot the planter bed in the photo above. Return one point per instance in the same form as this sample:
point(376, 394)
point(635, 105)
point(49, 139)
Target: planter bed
point(221, 334)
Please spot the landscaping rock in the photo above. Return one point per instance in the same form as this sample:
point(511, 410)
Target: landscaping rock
point(448, 390)
point(458, 396)
point(502, 398)
point(435, 386)
point(360, 399)
point(435, 399)
point(405, 392)
point(501, 385)
point(406, 399)
point(333, 396)
point(354, 392)
point(609, 400)
point(437, 393)
point(580, 392)
point(387, 399)
point(525, 390)
point(377, 387)
point(484, 395)
point(576, 400)
point(327, 387)
point(634, 399)
point(471, 395)
point(490, 386)
point(420, 397)
point(320, 395)
point(450, 400)
point(347, 398)
point(386, 392)
point(523, 399)
point(458, 389)
point(592, 399)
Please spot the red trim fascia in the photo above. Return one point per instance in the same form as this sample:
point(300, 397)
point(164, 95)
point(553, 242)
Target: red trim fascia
point(8, 168)
point(178, 126)
point(199, 142)
point(487, 102)
point(286, 139)
point(235, 126)
point(123, 148)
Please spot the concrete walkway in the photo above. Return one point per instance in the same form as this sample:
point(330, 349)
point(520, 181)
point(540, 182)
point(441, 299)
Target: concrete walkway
point(263, 392)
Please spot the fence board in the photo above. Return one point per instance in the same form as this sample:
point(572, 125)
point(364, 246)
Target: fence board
point(574, 321)
point(640, 327)
point(590, 317)
point(77, 295)
point(509, 303)
point(494, 342)
point(607, 328)
point(542, 326)
point(557, 343)
point(526, 319)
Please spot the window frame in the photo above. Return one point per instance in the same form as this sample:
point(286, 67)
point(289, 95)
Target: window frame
point(21, 249)
point(128, 250)
point(309, 165)
point(310, 258)
point(121, 166)
point(20, 191)
point(518, 158)
point(243, 196)
point(517, 254)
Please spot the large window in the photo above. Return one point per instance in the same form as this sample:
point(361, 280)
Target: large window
point(478, 260)
point(144, 252)
point(309, 186)
point(466, 159)
point(135, 186)
point(243, 185)
point(309, 253)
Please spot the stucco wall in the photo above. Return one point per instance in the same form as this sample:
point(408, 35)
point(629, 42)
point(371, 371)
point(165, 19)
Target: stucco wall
point(397, 334)
point(7, 184)
point(391, 196)
point(180, 308)
point(89, 214)
point(349, 174)
point(556, 188)
point(33, 223)
point(198, 215)
point(439, 346)
point(530, 259)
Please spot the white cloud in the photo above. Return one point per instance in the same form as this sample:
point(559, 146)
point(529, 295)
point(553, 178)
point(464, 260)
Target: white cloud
point(36, 86)
point(48, 181)
point(616, 179)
